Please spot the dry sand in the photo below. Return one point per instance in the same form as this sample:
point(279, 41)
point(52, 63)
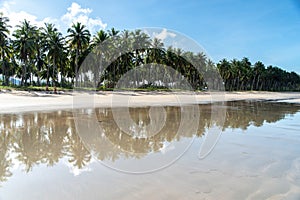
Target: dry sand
point(22, 101)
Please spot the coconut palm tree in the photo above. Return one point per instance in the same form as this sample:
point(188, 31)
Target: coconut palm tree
point(258, 70)
point(5, 52)
point(4, 27)
point(99, 37)
point(140, 43)
point(100, 46)
point(7, 62)
point(24, 44)
point(54, 44)
point(79, 39)
point(246, 75)
point(113, 32)
point(155, 55)
point(224, 68)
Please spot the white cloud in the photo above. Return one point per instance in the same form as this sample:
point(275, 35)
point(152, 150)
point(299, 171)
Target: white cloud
point(75, 13)
point(75, 170)
point(15, 18)
point(164, 34)
point(74, 10)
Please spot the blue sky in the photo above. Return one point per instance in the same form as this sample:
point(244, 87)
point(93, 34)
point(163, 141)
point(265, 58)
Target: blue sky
point(264, 30)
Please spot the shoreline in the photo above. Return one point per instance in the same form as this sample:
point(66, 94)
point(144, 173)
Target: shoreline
point(23, 101)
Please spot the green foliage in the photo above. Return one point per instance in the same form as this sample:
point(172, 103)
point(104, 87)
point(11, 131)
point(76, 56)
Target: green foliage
point(152, 87)
point(33, 88)
point(242, 75)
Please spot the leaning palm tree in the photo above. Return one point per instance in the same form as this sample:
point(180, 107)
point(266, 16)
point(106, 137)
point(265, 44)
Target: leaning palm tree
point(79, 39)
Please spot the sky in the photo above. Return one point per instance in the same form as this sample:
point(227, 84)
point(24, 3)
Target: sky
point(261, 30)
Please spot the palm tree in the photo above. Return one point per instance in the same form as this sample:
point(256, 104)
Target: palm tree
point(100, 37)
point(247, 75)
point(140, 43)
point(54, 43)
point(40, 57)
point(113, 54)
point(113, 32)
point(47, 31)
point(171, 58)
point(100, 47)
point(294, 80)
point(224, 68)
point(7, 61)
point(4, 44)
point(258, 70)
point(4, 31)
point(155, 55)
point(79, 39)
point(24, 44)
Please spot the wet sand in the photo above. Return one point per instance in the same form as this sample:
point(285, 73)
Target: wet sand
point(22, 101)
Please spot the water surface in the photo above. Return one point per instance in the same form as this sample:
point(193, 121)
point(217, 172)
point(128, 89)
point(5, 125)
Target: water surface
point(257, 157)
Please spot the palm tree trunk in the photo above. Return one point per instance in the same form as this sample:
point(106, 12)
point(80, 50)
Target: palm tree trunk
point(24, 78)
point(30, 79)
point(47, 81)
point(257, 83)
point(61, 77)
point(253, 82)
point(54, 75)
point(76, 67)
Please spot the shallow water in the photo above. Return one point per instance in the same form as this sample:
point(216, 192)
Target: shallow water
point(152, 153)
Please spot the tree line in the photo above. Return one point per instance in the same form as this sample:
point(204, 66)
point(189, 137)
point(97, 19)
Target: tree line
point(43, 56)
point(242, 75)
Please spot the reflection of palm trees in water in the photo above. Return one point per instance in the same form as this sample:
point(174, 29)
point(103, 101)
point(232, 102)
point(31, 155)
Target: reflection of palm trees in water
point(30, 144)
point(79, 156)
point(39, 138)
point(5, 161)
point(128, 143)
point(54, 133)
point(45, 138)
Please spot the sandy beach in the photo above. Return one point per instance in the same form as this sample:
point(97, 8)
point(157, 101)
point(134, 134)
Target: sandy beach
point(23, 101)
